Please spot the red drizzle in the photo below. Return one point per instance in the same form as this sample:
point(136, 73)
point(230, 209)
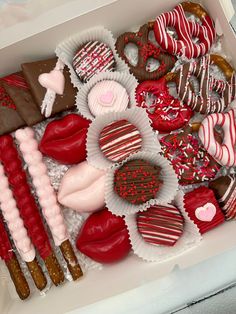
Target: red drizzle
point(16, 80)
point(160, 225)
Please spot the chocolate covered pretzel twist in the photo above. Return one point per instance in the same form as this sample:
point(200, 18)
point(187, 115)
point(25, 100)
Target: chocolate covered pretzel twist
point(203, 101)
point(146, 50)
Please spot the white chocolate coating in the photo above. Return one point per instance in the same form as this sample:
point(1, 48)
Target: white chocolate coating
point(107, 96)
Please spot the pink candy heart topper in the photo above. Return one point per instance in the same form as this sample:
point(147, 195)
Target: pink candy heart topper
point(53, 80)
point(107, 98)
point(206, 212)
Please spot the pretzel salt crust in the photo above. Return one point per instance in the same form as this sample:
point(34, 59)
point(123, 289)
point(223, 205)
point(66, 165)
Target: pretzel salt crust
point(47, 197)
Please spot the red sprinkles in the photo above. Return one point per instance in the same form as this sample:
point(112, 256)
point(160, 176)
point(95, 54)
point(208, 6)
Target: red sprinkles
point(137, 181)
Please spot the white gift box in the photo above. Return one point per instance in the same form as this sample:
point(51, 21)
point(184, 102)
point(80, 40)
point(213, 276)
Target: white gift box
point(37, 38)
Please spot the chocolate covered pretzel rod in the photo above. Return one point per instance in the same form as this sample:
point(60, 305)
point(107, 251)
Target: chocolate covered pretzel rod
point(18, 231)
point(27, 206)
point(8, 256)
point(47, 197)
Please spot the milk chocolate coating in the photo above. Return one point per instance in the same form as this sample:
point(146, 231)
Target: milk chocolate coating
point(137, 181)
point(37, 274)
point(34, 69)
point(220, 186)
point(71, 260)
point(18, 278)
point(24, 102)
point(10, 120)
point(146, 50)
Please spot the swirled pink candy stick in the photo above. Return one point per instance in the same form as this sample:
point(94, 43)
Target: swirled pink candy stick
point(18, 231)
point(47, 197)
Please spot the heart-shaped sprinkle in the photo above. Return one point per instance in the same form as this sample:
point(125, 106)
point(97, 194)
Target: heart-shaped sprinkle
point(53, 80)
point(206, 212)
point(107, 98)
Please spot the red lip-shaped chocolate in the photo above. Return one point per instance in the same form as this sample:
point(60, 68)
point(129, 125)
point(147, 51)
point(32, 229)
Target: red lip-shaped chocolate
point(104, 237)
point(65, 139)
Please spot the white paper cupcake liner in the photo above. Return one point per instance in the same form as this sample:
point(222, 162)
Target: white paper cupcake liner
point(128, 81)
point(137, 116)
point(166, 194)
point(152, 253)
point(66, 50)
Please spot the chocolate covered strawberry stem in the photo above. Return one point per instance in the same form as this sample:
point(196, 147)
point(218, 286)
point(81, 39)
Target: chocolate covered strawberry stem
point(7, 255)
point(47, 197)
point(26, 203)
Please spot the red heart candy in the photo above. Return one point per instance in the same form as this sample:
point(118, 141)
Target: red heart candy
point(104, 237)
point(65, 139)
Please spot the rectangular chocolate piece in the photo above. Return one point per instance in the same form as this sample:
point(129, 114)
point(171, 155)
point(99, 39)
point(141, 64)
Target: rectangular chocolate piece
point(31, 73)
point(10, 120)
point(18, 89)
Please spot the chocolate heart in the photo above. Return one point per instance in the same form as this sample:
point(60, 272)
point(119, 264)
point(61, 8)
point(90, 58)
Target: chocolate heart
point(53, 80)
point(146, 50)
point(166, 112)
point(206, 212)
point(82, 188)
point(106, 99)
point(65, 140)
point(104, 237)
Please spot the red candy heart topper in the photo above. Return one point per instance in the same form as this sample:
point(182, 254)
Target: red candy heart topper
point(186, 30)
point(104, 237)
point(166, 112)
point(65, 140)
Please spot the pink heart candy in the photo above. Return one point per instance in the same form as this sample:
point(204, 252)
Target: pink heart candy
point(206, 212)
point(107, 98)
point(53, 80)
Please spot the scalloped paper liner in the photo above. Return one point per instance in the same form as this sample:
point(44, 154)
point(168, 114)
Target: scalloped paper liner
point(66, 50)
point(128, 81)
point(137, 116)
point(190, 238)
point(166, 194)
